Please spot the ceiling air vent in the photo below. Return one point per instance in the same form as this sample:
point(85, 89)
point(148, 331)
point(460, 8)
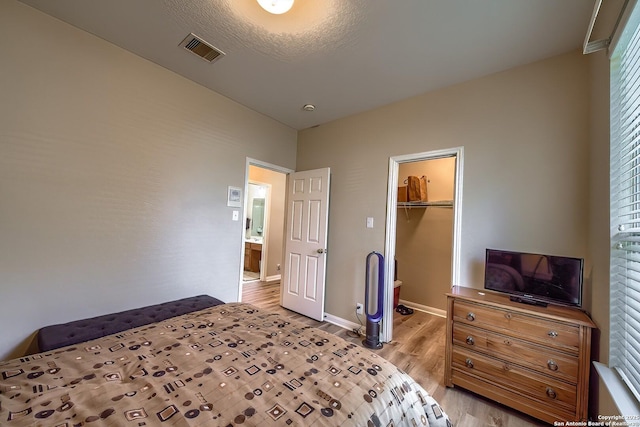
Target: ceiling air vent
point(201, 48)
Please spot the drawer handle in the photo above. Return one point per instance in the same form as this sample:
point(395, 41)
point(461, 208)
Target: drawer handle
point(507, 316)
point(552, 365)
point(552, 334)
point(551, 393)
point(469, 363)
point(469, 340)
point(471, 317)
point(507, 342)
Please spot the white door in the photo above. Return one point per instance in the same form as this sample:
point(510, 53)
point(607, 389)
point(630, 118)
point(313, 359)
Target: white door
point(305, 245)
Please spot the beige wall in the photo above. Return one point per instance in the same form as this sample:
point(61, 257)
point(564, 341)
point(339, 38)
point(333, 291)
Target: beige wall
point(424, 236)
point(113, 178)
point(525, 134)
point(114, 174)
point(278, 182)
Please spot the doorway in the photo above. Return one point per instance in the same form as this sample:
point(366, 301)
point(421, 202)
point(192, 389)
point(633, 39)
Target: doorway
point(395, 210)
point(256, 236)
point(424, 237)
point(262, 237)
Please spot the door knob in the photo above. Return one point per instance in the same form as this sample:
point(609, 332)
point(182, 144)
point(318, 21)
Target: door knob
point(322, 251)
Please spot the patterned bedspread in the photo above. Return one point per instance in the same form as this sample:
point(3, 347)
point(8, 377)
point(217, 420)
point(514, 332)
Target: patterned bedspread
point(228, 365)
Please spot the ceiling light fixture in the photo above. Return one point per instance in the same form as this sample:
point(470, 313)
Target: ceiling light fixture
point(277, 7)
point(308, 107)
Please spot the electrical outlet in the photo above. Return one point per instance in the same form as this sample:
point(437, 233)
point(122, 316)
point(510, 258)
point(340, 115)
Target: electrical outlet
point(359, 308)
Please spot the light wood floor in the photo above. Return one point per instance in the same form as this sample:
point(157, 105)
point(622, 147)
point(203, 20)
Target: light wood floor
point(418, 349)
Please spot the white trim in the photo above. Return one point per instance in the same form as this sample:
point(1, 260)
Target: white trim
point(275, 278)
point(250, 161)
point(622, 23)
point(265, 165)
point(390, 237)
point(589, 46)
point(424, 308)
point(457, 218)
point(350, 326)
point(343, 323)
point(622, 397)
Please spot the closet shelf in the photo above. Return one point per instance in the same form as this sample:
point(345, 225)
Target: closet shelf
point(435, 204)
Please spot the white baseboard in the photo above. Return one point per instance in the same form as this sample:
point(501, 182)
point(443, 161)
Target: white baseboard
point(276, 278)
point(343, 323)
point(430, 310)
point(350, 326)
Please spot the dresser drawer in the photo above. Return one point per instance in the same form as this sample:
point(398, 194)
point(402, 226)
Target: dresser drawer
point(556, 364)
point(517, 324)
point(521, 380)
point(507, 396)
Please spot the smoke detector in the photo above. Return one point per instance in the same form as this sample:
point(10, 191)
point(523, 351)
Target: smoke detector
point(201, 48)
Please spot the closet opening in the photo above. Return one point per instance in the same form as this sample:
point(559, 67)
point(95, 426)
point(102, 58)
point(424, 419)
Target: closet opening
point(422, 248)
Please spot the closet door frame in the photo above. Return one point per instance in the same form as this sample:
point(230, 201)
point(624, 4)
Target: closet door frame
point(392, 213)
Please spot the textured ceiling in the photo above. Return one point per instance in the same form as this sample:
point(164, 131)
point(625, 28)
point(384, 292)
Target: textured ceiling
point(343, 56)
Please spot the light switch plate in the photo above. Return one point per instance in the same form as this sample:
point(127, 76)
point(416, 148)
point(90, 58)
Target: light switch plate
point(236, 215)
point(369, 222)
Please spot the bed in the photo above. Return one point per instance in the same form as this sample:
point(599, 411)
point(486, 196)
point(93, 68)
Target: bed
point(223, 365)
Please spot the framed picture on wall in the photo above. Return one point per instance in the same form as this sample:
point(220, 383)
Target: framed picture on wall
point(234, 197)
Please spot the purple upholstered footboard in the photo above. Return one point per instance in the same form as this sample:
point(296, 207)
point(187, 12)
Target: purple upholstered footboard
point(56, 336)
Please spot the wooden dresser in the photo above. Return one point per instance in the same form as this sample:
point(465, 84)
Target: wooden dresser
point(533, 359)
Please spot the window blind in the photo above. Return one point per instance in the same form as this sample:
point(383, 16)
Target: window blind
point(625, 205)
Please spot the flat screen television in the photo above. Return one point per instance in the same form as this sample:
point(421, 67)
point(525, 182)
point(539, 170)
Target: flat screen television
point(534, 278)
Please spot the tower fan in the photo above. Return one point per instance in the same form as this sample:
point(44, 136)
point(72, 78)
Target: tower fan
point(373, 300)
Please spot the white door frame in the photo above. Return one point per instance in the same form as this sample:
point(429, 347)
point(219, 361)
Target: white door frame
point(392, 213)
point(259, 163)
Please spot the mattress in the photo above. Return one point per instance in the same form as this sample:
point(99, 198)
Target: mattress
point(232, 364)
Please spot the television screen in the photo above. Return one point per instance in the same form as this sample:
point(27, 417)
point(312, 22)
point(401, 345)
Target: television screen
point(534, 278)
